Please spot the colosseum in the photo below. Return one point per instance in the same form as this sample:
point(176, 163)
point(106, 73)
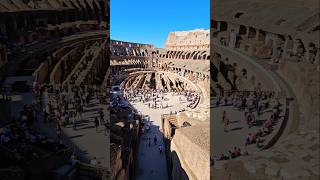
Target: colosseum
point(54, 60)
point(160, 108)
point(265, 98)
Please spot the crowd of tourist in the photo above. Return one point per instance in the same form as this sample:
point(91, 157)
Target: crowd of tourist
point(232, 154)
point(253, 104)
point(21, 136)
point(66, 104)
point(151, 97)
point(57, 105)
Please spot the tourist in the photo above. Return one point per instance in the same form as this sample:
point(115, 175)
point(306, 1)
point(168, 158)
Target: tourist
point(74, 120)
point(248, 140)
point(155, 139)
point(58, 132)
point(149, 141)
point(79, 110)
point(224, 116)
point(96, 123)
point(223, 157)
point(226, 123)
point(237, 151)
point(231, 154)
point(160, 148)
point(253, 138)
point(101, 115)
point(260, 133)
point(74, 160)
point(94, 161)
point(47, 111)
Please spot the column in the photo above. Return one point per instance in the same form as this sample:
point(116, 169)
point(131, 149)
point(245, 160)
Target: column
point(287, 47)
point(218, 25)
point(257, 35)
point(268, 37)
point(274, 46)
point(233, 38)
point(247, 32)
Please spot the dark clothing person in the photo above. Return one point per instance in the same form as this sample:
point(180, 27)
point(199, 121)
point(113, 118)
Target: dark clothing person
point(155, 140)
point(160, 149)
point(96, 123)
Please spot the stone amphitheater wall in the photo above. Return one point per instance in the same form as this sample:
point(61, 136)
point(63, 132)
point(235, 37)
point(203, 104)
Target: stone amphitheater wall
point(303, 78)
point(254, 69)
point(193, 159)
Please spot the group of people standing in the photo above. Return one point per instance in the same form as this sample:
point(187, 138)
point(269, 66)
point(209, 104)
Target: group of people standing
point(151, 97)
point(253, 104)
point(66, 105)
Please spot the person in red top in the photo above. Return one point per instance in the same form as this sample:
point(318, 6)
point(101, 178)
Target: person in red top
point(237, 151)
point(224, 115)
point(253, 138)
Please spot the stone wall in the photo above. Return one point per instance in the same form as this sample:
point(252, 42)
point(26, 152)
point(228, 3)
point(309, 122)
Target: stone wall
point(254, 69)
point(304, 80)
point(188, 40)
point(194, 160)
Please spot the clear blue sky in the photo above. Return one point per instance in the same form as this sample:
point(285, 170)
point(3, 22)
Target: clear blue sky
point(150, 21)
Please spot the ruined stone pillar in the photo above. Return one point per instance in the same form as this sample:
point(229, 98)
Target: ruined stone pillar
point(268, 38)
point(288, 45)
point(218, 25)
point(275, 45)
point(233, 38)
point(295, 47)
point(247, 32)
point(257, 35)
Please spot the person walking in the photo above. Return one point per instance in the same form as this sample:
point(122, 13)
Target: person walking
point(94, 161)
point(155, 140)
point(101, 114)
point(74, 121)
point(96, 123)
point(160, 148)
point(226, 123)
point(58, 131)
point(224, 116)
point(149, 141)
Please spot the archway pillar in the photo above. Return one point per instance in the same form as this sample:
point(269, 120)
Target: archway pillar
point(257, 34)
point(218, 25)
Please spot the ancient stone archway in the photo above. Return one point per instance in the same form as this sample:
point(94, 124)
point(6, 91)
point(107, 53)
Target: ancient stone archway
point(242, 30)
point(252, 32)
point(223, 26)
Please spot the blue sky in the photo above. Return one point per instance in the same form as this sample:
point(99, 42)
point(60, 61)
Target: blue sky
point(150, 21)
